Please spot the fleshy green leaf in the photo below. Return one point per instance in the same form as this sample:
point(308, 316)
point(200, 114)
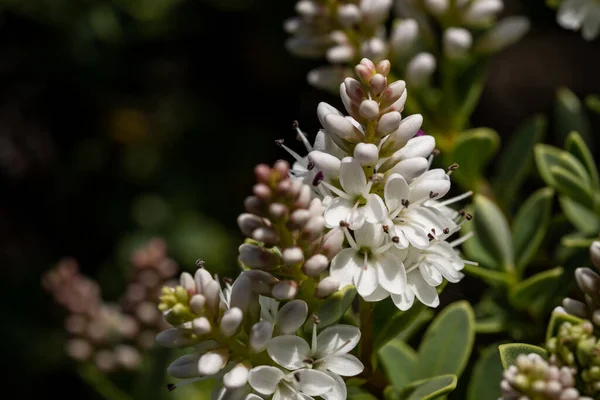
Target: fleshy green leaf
point(593, 102)
point(430, 388)
point(486, 376)
point(571, 186)
point(582, 218)
point(491, 324)
point(569, 115)
point(492, 231)
point(509, 352)
point(355, 393)
point(578, 148)
point(447, 343)
point(533, 290)
point(530, 225)
point(472, 151)
point(333, 307)
point(474, 250)
point(557, 319)
point(547, 156)
point(511, 174)
point(489, 276)
point(398, 360)
point(398, 322)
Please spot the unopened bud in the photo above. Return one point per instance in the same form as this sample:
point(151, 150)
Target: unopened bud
point(595, 254)
point(187, 282)
point(388, 123)
point(261, 282)
point(377, 84)
point(341, 53)
point(410, 168)
point(506, 32)
point(237, 377)
point(481, 11)
point(354, 90)
point(348, 14)
point(254, 205)
point(326, 163)
point(384, 67)
point(285, 290)
point(398, 105)
point(421, 146)
point(254, 256)
point(457, 42)
point(341, 130)
point(326, 287)
point(260, 334)
point(291, 316)
point(293, 256)
point(575, 308)
point(391, 94)
point(315, 265)
point(420, 69)
point(201, 326)
point(278, 211)
point(262, 173)
point(588, 281)
point(262, 191)
point(213, 361)
point(404, 34)
point(249, 222)
point(185, 367)
point(265, 235)
point(437, 7)
point(298, 219)
point(304, 198)
point(365, 70)
point(174, 338)
point(316, 208)
point(333, 242)
point(406, 130)
point(366, 154)
point(369, 109)
point(313, 229)
point(231, 321)
point(197, 303)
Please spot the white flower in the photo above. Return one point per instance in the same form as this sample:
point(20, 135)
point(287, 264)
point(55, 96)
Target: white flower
point(370, 265)
point(328, 353)
point(426, 269)
point(580, 14)
point(409, 220)
point(301, 384)
point(355, 204)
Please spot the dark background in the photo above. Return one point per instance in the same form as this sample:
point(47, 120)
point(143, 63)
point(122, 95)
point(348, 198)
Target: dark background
point(176, 108)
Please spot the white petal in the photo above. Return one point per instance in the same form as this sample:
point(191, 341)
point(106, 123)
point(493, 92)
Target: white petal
point(366, 279)
point(391, 273)
point(344, 365)
point(291, 316)
point(312, 382)
point(403, 242)
point(344, 266)
point(356, 218)
point(337, 340)
point(352, 177)
point(375, 211)
point(212, 362)
point(252, 396)
point(430, 275)
point(237, 377)
point(395, 190)
point(265, 379)
point(378, 295)
point(339, 390)
point(424, 292)
point(369, 235)
point(432, 181)
point(185, 367)
point(289, 351)
point(415, 235)
point(405, 300)
point(337, 210)
point(445, 267)
point(410, 168)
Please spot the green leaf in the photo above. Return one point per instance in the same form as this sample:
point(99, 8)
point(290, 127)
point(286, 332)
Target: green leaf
point(490, 324)
point(530, 225)
point(509, 352)
point(399, 321)
point(569, 162)
point(546, 156)
point(489, 276)
point(511, 173)
point(569, 116)
point(593, 102)
point(533, 290)
point(429, 388)
point(333, 307)
point(398, 361)
point(492, 231)
point(582, 218)
point(557, 319)
point(486, 376)
point(472, 151)
point(578, 148)
point(474, 250)
point(571, 186)
point(575, 241)
point(447, 343)
point(355, 393)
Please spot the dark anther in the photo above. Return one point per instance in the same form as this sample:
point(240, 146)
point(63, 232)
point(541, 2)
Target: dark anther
point(436, 152)
point(468, 217)
point(396, 239)
point(433, 230)
point(297, 376)
point(308, 361)
point(200, 263)
point(171, 387)
point(295, 124)
point(279, 142)
point(453, 167)
point(430, 236)
point(310, 165)
point(433, 195)
point(344, 224)
point(228, 280)
point(405, 202)
point(386, 229)
point(318, 178)
point(462, 213)
point(315, 319)
point(446, 230)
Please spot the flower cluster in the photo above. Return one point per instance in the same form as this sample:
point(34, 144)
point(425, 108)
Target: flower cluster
point(372, 171)
point(112, 335)
point(579, 14)
point(248, 342)
point(532, 378)
point(344, 31)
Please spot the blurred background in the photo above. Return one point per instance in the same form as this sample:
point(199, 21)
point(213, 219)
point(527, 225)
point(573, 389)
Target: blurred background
point(125, 120)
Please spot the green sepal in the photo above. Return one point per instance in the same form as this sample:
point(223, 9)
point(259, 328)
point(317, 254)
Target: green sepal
point(510, 351)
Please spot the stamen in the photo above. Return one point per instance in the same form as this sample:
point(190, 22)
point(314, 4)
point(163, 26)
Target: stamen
point(200, 263)
point(453, 167)
point(456, 199)
point(386, 228)
point(337, 191)
point(461, 239)
point(297, 156)
point(316, 321)
point(318, 178)
point(365, 260)
point(302, 136)
point(382, 249)
point(349, 237)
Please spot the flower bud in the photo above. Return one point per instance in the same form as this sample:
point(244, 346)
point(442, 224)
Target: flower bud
point(482, 11)
point(262, 191)
point(406, 130)
point(421, 146)
point(365, 70)
point(307, 8)
point(185, 367)
point(595, 254)
point(197, 302)
point(575, 308)
point(366, 153)
point(249, 222)
point(187, 282)
point(231, 321)
point(265, 235)
point(326, 287)
point(392, 93)
point(254, 256)
point(342, 53)
point(348, 14)
point(403, 37)
point(201, 326)
point(260, 334)
point(377, 84)
point(341, 130)
point(174, 338)
point(326, 163)
point(324, 109)
point(278, 211)
point(203, 279)
point(588, 281)
point(384, 67)
point(354, 90)
point(437, 7)
point(237, 377)
point(213, 361)
point(298, 219)
point(315, 265)
point(254, 205)
point(506, 32)
point(291, 317)
point(410, 168)
point(457, 42)
point(420, 69)
point(369, 109)
point(262, 173)
point(388, 123)
point(304, 197)
point(333, 242)
point(433, 181)
point(375, 11)
point(375, 48)
point(261, 282)
point(316, 208)
point(398, 104)
point(327, 77)
point(285, 290)
point(293, 256)
point(313, 229)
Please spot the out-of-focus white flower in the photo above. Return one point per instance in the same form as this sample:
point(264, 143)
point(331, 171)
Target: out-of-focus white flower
point(580, 14)
point(300, 384)
point(420, 69)
point(505, 33)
